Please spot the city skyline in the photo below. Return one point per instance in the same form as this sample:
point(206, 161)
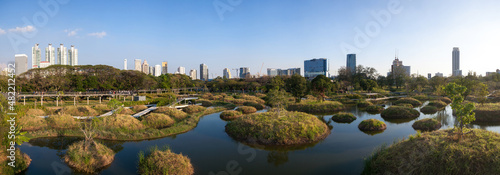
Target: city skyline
point(278, 39)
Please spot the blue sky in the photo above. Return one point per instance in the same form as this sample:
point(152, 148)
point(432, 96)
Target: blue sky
point(280, 34)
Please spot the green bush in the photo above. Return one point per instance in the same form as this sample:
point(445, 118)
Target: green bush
point(230, 115)
point(438, 104)
point(246, 109)
point(409, 100)
point(374, 109)
point(343, 117)
point(427, 124)
point(428, 109)
point(399, 112)
point(372, 125)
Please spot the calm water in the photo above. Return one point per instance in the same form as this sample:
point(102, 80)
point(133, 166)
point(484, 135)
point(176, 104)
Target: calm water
point(212, 150)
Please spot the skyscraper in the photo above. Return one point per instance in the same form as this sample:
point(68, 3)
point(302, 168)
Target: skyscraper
point(351, 63)
point(282, 72)
point(62, 55)
point(455, 54)
point(36, 56)
point(125, 64)
point(157, 70)
point(244, 71)
point(50, 54)
point(164, 67)
point(137, 65)
point(21, 61)
point(226, 73)
point(73, 56)
point(145, 67)
point(204, 72)
point(272, 72)
point(193, 74)
point(181, 70)
point(151, 70)
point(315, 67)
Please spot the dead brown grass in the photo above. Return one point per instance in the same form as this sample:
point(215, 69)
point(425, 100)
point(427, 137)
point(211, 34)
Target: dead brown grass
point(90, 160)
point(31, 123)
point(157, 120)
point(119, 121)
point(62, 121)
point(79, 111)
point(165, 162)
point(35, 112)
point(175, 113)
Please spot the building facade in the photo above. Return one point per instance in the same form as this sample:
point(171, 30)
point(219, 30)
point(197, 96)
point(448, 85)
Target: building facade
point(455, 54)
point(438, 74)
point(62, 55)
point(145, 67)
point(193, 74)
point(226, 73)
point(137, 65)
point(157, 70)
point(36, 56)
point(50, 55)
point(21, 61)
point(397, 67)
point(73, 56)
point(181, 70)
point(315, 67)
point(164, 67)
point(244, 72)
point(351, 63)
point(125, 64)
point(204, 72)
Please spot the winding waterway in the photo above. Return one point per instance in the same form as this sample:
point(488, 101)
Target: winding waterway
point(211, 150)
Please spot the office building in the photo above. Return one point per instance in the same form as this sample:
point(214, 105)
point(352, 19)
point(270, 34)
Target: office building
point(429, 76)
point(244, 72)
point(315, 67)
point(397, 67)
point(490, 73)
point(157, 70)
point(282, 72)
point(145, 67)
point(21, 61)
point(351, 63)
point(203, 72)
point(164, 67)
point(272, 72)
point(455, 54)
point(125, 64)
point(193, 74)
point(50, 54)
point(151, 70)
point(438, 74)
point(36, 56)
point(226, 73)
point(62, 55)
point(73, 56)
point(137, 65)
point(181, 70)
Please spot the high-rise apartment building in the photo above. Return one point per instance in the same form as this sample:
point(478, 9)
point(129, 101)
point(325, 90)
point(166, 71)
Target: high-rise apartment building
point(137, 65)
point(50, 55)
point(164, 67)
point(226, 73)
point(193, 74)
point(272, 72)
point(125, 64)
point(62, 55)
point(203, 72)
point(145, 67)
point(36, 56)
point(455, 54)
point(439, 74)
point(282, 72)
point(151, 70)
point(21, 61)
point(351, 63)
point(244, 72)
point(397, 67)
point(315, 67)
point(157, 70)
point(181, 70)
point(429, 76)
point(73, 56)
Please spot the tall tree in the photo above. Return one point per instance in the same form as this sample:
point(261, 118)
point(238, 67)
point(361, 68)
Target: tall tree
point(464, 111)
point(321, 85)
point(297, 85)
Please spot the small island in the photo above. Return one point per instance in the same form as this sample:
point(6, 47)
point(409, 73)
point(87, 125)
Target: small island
point(372, 125)
point(164, 161)
point(343, 117)
point(399, 112)
point(427, 124)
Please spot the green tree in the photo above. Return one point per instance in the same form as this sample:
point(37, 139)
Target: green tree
point(464, 111)
point(297, 86)
point(277, 99)
point(321, 85)
point(481, 93)
point(277, 83)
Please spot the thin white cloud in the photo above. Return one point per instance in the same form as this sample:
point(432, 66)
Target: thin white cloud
point(23, 29)
point(72, 32)
point(98, 34)
point(2, 31)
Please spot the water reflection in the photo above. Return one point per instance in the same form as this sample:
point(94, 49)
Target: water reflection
point(277, 158)
point(372, 133)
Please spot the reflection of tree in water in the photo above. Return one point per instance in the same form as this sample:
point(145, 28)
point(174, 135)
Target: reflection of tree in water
point(443, 117)
point(328, 123)
point(277, 157)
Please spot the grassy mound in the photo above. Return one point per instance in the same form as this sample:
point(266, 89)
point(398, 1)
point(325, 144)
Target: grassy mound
point(157, 120)
point(437, 104)
point(438, 153)
point(120, 122)
point(343, 117)
point(445, 99)
point(164, 162)
point(193, 109)
point(372, 125)
point(126, 111)
point(139, 108)
point(246, 109)
point(429, 109)
point(31, 122)
point(90, 160)
point(487, 112)
point(404, 105)
point(172, 112)
point(364, 104)
point(409, 100)
point(374, 109)
point(22, 162)
point(421, 97)
point(79, 111)
point(205, 103)
point(399, 112)
point(230, 115)
point(316, 107)
point(36, 112)
point(63, 121)
point(238, 101)
point(427, 124)
point(291, 128)
point(254, 104)
point(253, 98)
point(102, 108)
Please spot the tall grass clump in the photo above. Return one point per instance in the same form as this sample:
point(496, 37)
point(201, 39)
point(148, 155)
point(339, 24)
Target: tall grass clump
point(164, 161)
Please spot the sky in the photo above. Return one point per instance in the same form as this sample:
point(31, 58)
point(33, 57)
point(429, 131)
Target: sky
point(259, 34)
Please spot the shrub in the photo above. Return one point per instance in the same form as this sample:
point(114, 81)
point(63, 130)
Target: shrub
point(445, 99)
point(254, 104)
point(79, 111)
point(409, 100)
point(164, 162)
point(343, 117)
point(230, 115)
point(324, 107)
point(399, 112)
point(163, 101)
point(427, 124)
point(246, 109)
point(437, 104)
point(364, 104)
point(191, 109)
point(372, 125)
point(62, 121)
point(157, 120)
point(374, 109)
point(31, 122)
point(172, 112)
point(429, 109)
point(90, 160)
